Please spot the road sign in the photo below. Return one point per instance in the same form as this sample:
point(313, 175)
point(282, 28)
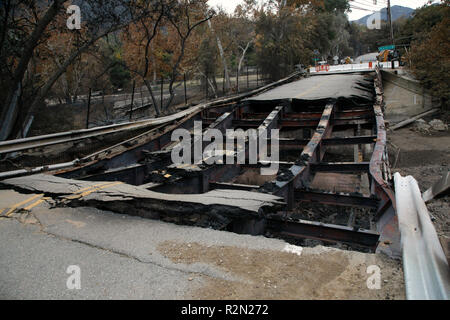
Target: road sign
point(391, 47)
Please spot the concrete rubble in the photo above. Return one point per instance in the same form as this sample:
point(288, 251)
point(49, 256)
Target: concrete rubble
point(425, 127)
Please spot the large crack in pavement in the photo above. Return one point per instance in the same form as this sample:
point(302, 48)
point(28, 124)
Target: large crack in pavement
point(188, 271)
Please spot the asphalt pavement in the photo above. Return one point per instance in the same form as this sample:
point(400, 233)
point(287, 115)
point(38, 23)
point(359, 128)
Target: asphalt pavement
point(119, 256)
point(319, 87)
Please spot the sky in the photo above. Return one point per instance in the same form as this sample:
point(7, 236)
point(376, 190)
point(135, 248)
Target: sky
point(229, 5)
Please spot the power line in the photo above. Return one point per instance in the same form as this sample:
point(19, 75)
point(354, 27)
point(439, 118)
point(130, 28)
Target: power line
point(359, 5)
point(373, 3)
point(360, 8)
point(370, 5)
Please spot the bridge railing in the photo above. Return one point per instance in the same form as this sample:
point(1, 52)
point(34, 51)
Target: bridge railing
point(367, 66)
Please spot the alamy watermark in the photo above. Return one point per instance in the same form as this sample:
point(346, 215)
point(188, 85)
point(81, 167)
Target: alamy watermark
point(74, 20)
point(238, 147)
point(74, 280)
point(374, 281)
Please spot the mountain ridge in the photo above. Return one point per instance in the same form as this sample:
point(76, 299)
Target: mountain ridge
point(397, 12)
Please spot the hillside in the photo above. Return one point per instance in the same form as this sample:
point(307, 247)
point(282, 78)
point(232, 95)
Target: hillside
point(397, 12)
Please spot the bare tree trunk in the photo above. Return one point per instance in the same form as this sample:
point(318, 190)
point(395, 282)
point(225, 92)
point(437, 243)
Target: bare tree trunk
point(10, 110)
point(244, 51)
point(57, 74)
point(183, 40)
point(212, 84)
point(222, 57)
point(155, 103)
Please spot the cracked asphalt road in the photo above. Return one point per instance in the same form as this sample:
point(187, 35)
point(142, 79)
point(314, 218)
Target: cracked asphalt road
point(125, 257)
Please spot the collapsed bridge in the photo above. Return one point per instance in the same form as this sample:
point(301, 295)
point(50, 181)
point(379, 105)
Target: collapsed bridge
point(333, 183)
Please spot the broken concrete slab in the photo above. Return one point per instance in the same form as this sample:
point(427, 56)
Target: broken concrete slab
point(441, 188)
point(219, 206)
point(438, 125)
point(422, 126)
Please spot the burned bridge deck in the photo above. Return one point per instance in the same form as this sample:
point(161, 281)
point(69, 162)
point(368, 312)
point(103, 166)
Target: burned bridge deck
point(332, 184)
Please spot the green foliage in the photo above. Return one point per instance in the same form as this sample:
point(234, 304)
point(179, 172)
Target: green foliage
point(289, 35)
point(208, 56)
point(423, 21)
point(430, 55)
point(281, 42)
point(336, 5)
point(119, 75)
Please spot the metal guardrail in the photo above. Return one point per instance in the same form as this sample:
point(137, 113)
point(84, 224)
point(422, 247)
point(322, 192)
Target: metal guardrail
point(427, 273)
point(57, 138)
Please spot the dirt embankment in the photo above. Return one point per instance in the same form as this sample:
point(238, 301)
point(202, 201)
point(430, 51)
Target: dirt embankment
point(427, 159)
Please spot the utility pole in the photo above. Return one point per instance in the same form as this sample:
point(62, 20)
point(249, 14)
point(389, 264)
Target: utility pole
point(390, 21)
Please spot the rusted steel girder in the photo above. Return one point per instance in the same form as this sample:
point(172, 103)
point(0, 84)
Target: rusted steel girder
point(339, 115)
point(338, 199)
point(305, 123)
point(302, 229)
point(162, 158)
point(297, 176)
point(128, 152)
point(347, 167)
point(298, 144)
point(380, 186)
